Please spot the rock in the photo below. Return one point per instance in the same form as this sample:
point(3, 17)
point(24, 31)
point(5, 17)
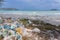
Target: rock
point(36, 30)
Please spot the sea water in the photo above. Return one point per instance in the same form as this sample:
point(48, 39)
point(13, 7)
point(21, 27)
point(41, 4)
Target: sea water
point(41, 13)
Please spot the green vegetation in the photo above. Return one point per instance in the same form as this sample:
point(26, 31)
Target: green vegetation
point(40, 24)
point(24, 21)
point(45, 26)
point(9, 33)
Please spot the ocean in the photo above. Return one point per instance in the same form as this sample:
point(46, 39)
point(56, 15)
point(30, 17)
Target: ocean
point(41, 13)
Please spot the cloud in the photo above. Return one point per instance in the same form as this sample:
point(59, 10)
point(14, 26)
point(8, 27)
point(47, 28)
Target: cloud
point(57, 1)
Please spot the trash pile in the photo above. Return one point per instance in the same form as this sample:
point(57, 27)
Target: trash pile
point(13, 30)
point(10, 35)
point(8, 31)
point(16, 31)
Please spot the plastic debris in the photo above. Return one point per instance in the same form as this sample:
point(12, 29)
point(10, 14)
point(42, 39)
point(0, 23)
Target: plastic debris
point(36, 30)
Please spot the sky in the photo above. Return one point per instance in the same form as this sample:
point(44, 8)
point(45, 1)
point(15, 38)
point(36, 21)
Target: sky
point(32, 4)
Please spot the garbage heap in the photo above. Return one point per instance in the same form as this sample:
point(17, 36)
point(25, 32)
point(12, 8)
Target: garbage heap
point(13, 30)
point(8, 31)
point(17, 31)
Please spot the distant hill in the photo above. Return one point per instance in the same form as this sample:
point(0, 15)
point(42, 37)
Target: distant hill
point(8, 9)
point(54, 9)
